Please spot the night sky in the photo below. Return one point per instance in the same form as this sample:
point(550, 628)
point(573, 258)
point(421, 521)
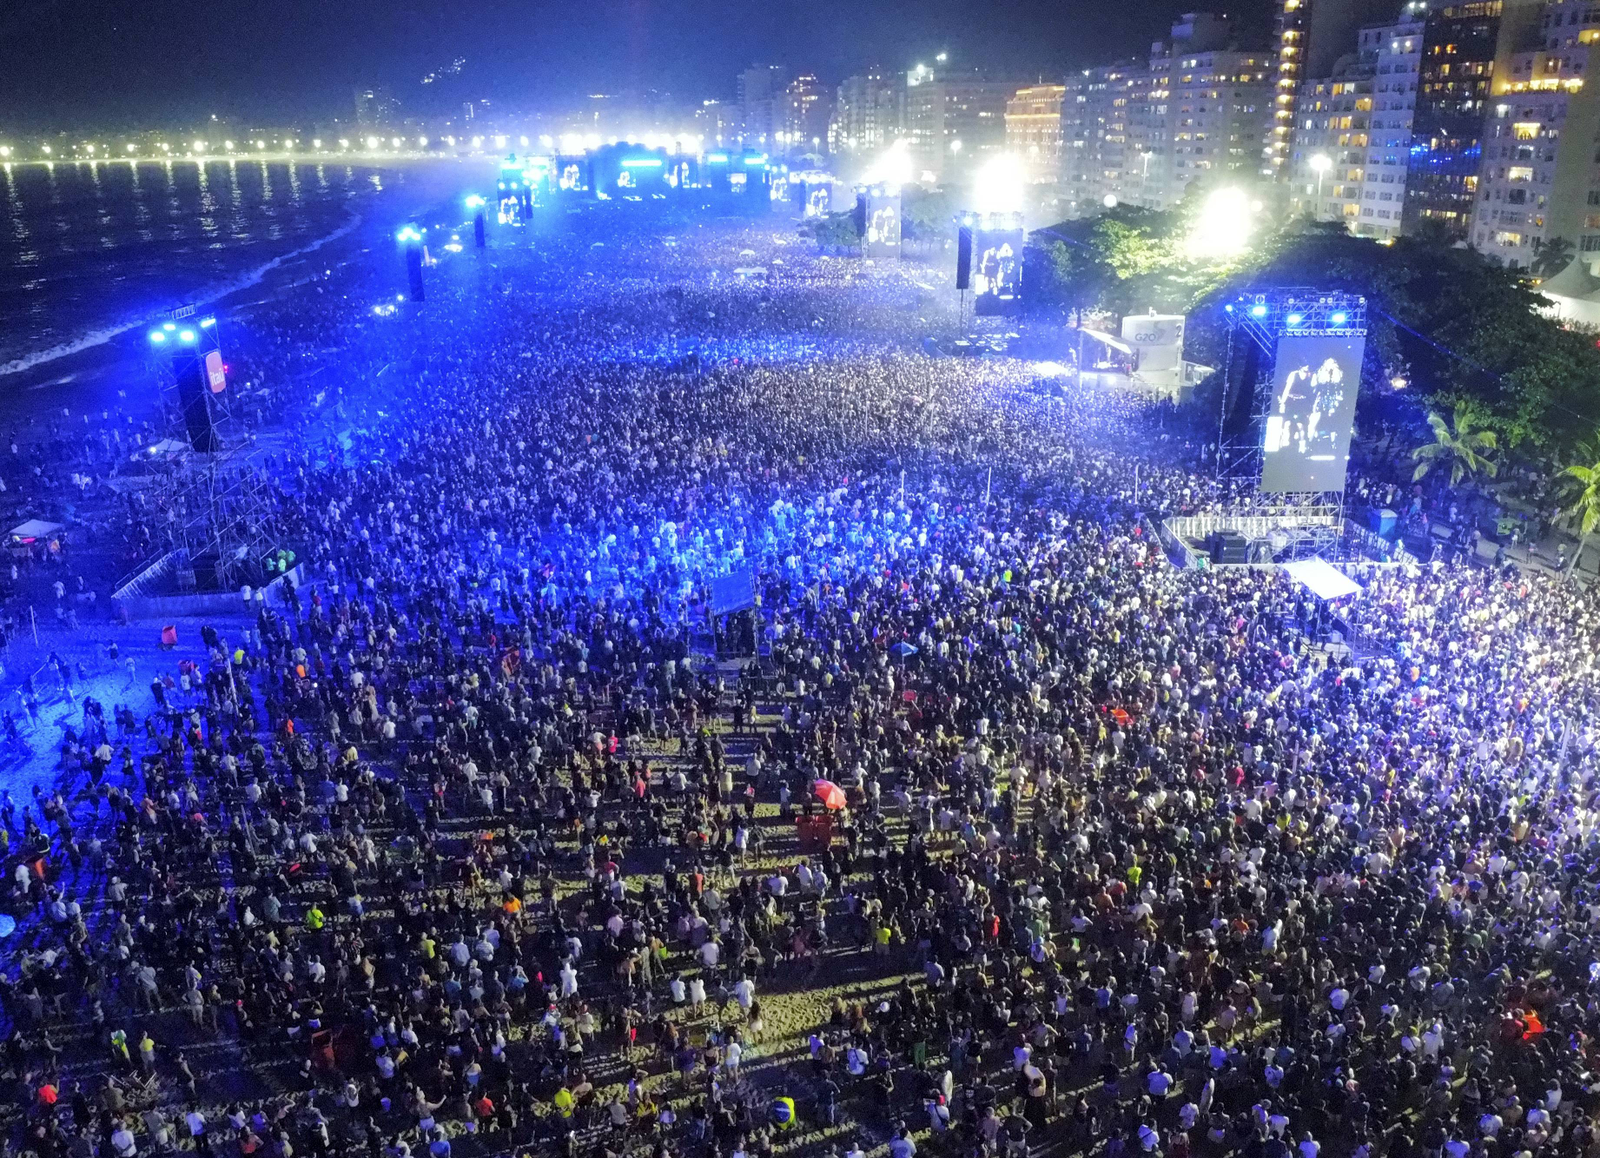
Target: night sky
point(115, 64)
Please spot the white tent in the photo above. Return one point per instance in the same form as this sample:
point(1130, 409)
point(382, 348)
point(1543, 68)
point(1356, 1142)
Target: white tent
point(34, 529)
point(1322, 579)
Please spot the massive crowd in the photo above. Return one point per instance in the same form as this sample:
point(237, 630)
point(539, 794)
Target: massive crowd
point(485, 840)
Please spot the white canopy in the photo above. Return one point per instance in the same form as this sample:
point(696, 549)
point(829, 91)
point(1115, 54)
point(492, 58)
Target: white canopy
point(35, 529)
point(1322, 579)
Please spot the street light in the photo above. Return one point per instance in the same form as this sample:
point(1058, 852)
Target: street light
point(1320, 164)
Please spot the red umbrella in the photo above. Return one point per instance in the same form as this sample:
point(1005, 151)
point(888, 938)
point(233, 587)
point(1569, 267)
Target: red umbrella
point(831, 795)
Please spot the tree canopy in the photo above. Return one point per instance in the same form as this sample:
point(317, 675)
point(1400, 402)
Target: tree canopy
point(1455, 325)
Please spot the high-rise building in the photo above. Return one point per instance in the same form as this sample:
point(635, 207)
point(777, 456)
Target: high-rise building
point(1309, 38)
point(1033, 130)
point(867, 113)
point(806, 108)
point(953, 121)
point(719, 123)
point(376, 108)
point(1352, 134)
point(1142, 134)
point(1464, 46)
point(761, 102)
point(1538, 183)
point(1219, 104)
point(1396, 51)
point(1095, 117)
point(1327, 164)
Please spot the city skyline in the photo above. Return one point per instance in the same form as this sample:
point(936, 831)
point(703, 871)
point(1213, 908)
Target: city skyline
point(96, 68)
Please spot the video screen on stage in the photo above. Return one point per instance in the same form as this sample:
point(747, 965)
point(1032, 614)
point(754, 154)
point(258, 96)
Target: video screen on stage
point(1306, 444)
point(882, 242)
point(997, 271)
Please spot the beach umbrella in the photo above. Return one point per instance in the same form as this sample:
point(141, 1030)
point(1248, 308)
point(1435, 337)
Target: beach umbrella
point(831, 795)
point(903, 649)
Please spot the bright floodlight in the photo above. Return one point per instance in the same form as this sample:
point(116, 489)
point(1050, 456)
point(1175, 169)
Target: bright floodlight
point(1258, 311)
point(1222, 229)
point(187, 335)
point(892, 167)
point(999, 185)
point(408, 233)
point(475, 202)
point(157, 337)
point(1109, 200)
point(1321, 162)
point(1294, 319)
point(1337, 319)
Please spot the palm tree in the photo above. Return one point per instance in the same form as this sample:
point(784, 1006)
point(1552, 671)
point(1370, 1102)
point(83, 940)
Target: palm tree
point(1583, 485)
point(1550, 257)
point(1463, 447)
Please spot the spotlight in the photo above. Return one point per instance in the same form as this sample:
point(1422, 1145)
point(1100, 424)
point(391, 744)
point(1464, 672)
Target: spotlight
point(187, 335)
point(1338, 319)
point(157, 336)
point(1258, 311)
point(1294, 319)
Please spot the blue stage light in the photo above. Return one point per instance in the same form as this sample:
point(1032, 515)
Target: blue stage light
point(1294, 319)
point(157, 336)
point(187, 335)
point(1258, 311)
point(1338, 319)
point(168, 326)
point(207, 323)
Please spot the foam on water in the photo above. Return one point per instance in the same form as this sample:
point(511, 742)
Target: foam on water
point(209, 295)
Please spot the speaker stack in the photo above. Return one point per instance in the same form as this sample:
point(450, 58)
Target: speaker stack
point(1229, 547)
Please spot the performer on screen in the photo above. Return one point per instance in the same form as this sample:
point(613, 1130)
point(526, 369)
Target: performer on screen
point(1306, 400)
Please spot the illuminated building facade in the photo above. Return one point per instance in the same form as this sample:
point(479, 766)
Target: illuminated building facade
point(1142, 134)
point(1309, 37)
point(868, 110)
point(807, 106)
point(953, 122)
point(1033, 130)
point(1539, 181)
point(1463, 46)
point(1352, 135)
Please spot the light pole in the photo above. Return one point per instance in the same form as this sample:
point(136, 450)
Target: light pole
point(1320, 164)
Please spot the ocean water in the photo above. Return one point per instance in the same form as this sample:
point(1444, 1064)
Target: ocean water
point(90, 251)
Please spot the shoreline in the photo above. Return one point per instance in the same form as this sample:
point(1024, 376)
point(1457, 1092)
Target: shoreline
point(87, 367)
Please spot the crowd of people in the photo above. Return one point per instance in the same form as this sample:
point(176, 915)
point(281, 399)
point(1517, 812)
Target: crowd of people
point(490, 836)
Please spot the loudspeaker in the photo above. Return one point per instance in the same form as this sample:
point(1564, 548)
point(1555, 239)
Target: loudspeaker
point(860, 215)
point(189, 369)
point(964, 257)
point(1229, 547)
point(414, 270)
point(477, 229)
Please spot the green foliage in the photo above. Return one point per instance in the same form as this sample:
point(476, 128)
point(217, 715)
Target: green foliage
point(1581, 481)
point(1460, 328)
point(926, 214)
point(1551, 256)
point(1461, 442)
point(836, 229)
